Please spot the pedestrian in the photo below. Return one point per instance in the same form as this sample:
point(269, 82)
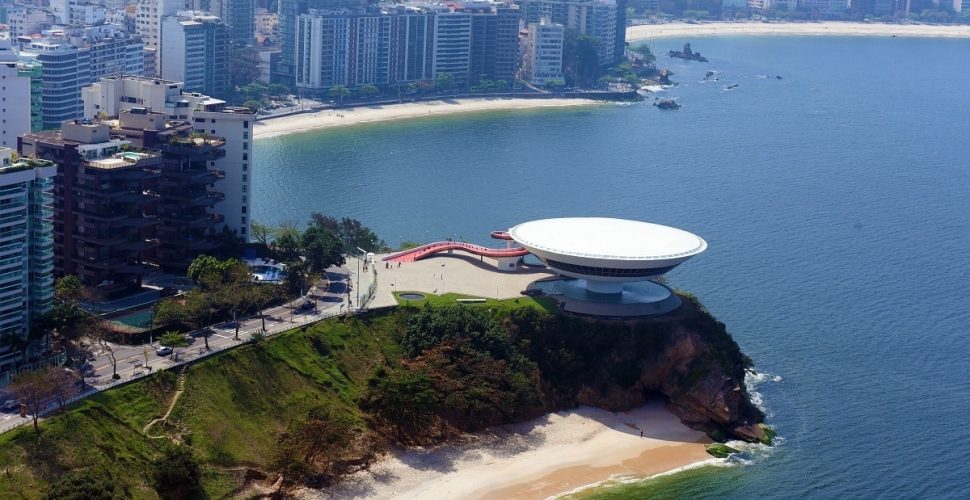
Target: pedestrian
point(641, 433)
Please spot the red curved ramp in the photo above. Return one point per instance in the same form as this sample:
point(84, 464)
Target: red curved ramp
point(423, 251)
point(501, 235)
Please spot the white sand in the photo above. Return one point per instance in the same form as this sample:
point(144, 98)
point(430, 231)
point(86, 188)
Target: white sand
point(554, 454)
point(270, 127)
point(679, 30)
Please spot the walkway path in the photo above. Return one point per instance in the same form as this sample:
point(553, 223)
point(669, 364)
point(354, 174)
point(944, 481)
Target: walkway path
point(179, 389)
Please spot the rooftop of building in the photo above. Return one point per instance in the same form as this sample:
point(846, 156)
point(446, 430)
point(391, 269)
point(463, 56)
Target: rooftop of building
point(607, 239)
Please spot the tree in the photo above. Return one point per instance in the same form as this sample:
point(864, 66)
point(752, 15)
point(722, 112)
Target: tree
point(644, 51)
point(172, 338)
point(445, 81)
point(243, 67)
point(216, 270)
point(581, 59)
point(321, 248)
point(68, 289)
point(367, 91)
point(351, 232)
point(34, 390)
point(278, 90)
point(84, 484)
point(317, 437)
point(198, 312)
point(262, 296)
point(234, 292)
point(64, 386)
point(286, 242)
point(176, 473)
point(402, 398)
point(339, 92)
point(260, 233)
point(101, 338)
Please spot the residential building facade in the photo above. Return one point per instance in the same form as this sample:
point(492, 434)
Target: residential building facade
point(195, 51)
point(207, 116)
point(26, 254)
point(543, 54)
point(15, 88)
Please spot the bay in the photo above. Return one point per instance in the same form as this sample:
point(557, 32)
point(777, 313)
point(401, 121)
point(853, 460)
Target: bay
point(835, 201)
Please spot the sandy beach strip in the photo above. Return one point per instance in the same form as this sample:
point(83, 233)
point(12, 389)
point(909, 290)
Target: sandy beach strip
point(270, 127)
point(552, 455)
point(681, 30)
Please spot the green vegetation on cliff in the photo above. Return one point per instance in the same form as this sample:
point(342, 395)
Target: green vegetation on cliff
point(322, 401)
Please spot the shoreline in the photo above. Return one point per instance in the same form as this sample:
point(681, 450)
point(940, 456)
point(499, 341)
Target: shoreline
point(305, 122)
point(827, 28)
point(556, 454)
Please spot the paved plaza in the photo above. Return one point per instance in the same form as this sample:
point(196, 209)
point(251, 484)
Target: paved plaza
point(451, 273)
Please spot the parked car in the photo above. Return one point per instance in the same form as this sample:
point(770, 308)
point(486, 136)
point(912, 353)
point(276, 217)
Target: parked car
point(163, 351)
point(11, 404)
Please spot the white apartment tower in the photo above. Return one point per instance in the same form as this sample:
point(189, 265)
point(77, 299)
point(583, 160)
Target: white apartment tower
point(26, 251)
point(195, 51)
point(207, 115)
point(14, 97)
point(543, 56)
point(148, 21)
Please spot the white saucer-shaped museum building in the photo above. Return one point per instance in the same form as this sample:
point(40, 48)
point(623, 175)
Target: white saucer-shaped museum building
point(607, 252)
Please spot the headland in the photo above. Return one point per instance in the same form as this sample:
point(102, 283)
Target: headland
point(831, 28)
point(274, 126)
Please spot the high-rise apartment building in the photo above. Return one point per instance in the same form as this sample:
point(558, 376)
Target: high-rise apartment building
point(68, 63)
point(195, 51)
point(186, 224)
point(64, 70)
point(543, 53)
point(289, 11)
point(240, 17)
point(206, 115)
point(14, 97)
point(148, 24)
point(26, 254)
point(102, 228)
point(597, 18)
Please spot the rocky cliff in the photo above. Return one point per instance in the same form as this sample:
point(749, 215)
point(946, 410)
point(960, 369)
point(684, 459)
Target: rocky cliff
point(687, 358)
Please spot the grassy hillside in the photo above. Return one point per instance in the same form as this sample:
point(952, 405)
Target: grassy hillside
point(415, 375)
point(234, 406)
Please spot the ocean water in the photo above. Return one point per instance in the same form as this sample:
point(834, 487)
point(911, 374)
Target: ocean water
point(836, 202)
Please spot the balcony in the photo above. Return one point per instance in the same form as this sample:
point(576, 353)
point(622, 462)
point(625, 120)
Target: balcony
point(138, 244)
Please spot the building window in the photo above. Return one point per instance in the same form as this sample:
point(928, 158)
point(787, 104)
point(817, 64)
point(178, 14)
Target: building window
point(244, 209)
point(245, 156)
point(199, 120)
point(245, 123)
point(243, 220)
point(245, 146)
point(244, 178)
point(212, 120)
point(245, 167)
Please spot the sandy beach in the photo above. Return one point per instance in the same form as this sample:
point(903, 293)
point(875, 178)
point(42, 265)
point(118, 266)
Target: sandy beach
point(552, 455)
point(678, 30)
point(270, 127)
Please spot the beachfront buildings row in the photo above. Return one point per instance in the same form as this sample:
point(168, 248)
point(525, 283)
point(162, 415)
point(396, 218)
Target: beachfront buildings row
point(326, 43)
point(406, 43)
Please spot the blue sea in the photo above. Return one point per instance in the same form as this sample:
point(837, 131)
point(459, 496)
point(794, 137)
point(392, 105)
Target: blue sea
point(836, 202)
